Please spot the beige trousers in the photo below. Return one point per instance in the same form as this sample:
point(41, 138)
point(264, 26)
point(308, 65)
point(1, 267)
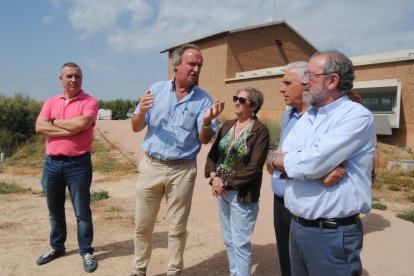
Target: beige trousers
point(176, 183)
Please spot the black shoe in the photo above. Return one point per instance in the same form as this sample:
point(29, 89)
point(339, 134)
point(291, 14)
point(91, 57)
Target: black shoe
point(49, 256)
point(89, 263)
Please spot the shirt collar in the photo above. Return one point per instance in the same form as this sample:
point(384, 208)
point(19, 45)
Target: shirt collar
point(80, 95)
point(334, 105)
point(192, 90)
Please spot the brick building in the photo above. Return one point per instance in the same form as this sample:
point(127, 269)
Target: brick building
point(256, 56)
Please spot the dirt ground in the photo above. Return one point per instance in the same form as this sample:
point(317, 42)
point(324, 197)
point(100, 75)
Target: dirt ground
point(24, 228)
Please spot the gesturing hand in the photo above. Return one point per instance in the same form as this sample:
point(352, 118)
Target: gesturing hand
point(213, 111)
point(146, 101)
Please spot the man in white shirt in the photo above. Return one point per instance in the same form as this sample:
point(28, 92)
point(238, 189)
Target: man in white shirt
point(326, 231)
point(292, 91)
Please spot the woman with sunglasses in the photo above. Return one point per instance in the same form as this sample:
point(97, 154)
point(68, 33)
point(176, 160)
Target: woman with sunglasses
point(234, 166)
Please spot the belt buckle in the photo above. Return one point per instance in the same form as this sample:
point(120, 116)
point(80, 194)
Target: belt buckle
point(328, 224)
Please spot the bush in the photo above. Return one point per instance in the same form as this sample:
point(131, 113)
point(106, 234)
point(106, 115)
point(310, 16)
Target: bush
point(17, 121)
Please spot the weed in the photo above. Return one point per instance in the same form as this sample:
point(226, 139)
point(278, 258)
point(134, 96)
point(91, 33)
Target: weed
point(99, 195)
point(394, 187)
point(411, 198)
point(6, 225)
point(113, 212)
point(114, 209)
point(378, 206)
point(13, 188)
point(407, 215)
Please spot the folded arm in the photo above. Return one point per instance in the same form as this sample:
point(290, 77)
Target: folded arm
point(63, 127)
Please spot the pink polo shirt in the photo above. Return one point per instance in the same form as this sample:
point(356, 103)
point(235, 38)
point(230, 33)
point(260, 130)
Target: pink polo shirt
point(56, 107)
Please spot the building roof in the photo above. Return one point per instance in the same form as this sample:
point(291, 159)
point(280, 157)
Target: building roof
point(385, 57)
point(223, 33)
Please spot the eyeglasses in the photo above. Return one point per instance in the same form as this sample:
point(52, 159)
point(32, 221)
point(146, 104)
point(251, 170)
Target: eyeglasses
point(240, 99)
point(308, 76)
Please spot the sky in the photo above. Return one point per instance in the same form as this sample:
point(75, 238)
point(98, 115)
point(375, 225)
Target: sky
point(117, 43)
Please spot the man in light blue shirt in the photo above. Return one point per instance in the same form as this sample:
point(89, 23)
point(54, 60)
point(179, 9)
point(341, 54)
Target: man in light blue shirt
point(180, 116)
point(326, 231)
point(292, 90)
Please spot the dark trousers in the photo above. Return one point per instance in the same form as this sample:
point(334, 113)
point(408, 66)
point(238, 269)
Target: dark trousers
point(281, 219)
point(76, 174)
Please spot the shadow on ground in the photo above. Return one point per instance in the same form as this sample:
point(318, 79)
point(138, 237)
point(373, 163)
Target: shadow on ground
point(126, 248)
point(374, 222)
point(265, 262)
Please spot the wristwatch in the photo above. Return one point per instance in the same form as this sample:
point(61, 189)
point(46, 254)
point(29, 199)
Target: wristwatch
point(270, 159)
point(207, 126)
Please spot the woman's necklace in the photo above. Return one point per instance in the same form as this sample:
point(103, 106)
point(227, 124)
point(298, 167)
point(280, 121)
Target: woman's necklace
point(242, 126)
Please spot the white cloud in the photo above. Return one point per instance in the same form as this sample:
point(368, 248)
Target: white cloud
point(353, 26)
point(96, 65)
point(92, 16)
point(47, 19)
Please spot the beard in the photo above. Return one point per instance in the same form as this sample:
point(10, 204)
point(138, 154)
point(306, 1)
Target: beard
point(316, 98)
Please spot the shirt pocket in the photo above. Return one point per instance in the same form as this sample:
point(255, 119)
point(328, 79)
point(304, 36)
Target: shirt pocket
point(188, 121)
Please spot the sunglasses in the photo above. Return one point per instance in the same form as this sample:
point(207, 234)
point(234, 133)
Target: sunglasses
point(240, 99)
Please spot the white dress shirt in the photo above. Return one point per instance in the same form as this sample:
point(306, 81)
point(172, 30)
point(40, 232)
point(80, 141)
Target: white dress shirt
point(319, 142)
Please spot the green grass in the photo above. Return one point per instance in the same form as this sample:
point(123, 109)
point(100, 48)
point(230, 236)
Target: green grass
point(407, 215)
point(105, 162)
point(98, 195)
point(6, 188)
point(378, 206)
point(30, 155)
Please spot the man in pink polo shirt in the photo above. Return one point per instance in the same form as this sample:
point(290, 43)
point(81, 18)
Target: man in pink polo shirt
point(67, 122)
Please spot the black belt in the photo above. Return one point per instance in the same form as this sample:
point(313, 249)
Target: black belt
point(281, 199)
point(168, 162)
point(333, 223)
point(68, 158)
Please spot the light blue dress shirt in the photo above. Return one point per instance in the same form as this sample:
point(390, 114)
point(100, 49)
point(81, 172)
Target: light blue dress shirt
point(174, 126)
point(289, 119)
point(320, 141)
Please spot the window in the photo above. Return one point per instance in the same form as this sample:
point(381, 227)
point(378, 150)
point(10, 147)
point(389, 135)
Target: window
point(379, 102)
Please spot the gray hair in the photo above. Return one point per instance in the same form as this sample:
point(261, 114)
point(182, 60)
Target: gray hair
point(71, 65)
point(340, 64)
point(255, 96)
point(177, 55)
point(300, 67)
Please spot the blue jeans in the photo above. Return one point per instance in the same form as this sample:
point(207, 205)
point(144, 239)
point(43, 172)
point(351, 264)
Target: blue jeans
point(76, 174)
point(237, 224)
